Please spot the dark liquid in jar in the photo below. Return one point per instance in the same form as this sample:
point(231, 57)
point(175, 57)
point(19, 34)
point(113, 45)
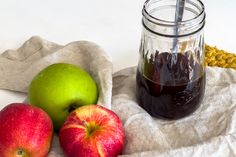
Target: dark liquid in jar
point(171, 85)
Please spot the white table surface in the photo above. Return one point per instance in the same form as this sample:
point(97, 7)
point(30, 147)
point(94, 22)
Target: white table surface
point(113, 24)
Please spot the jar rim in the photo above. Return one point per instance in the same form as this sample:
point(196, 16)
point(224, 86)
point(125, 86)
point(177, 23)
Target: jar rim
point(166, 23)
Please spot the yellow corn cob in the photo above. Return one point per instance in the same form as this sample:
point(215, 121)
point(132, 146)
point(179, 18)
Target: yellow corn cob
point(220, 58)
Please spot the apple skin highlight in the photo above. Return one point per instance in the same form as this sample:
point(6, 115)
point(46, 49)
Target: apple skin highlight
point(25, 131)
point(92, 131)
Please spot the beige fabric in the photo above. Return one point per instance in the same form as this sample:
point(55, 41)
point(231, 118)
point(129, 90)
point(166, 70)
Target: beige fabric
point(18, 67)
point(209, 132)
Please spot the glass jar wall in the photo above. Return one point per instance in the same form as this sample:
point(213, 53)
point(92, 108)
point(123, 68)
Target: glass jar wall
point(171, 73)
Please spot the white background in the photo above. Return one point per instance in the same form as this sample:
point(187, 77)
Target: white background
point(113, 24)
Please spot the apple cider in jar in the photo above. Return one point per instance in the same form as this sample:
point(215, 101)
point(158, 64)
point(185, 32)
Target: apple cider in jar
point(171, 73)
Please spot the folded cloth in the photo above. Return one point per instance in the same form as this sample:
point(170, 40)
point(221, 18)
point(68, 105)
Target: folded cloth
point(208, 132)
point(18, 67)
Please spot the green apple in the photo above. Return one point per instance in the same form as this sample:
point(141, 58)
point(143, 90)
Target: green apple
point(60, 88)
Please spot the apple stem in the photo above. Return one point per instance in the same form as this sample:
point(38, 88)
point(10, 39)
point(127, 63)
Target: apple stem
point(85, 123)
point(91, 127)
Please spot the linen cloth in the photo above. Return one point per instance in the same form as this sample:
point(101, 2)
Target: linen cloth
point(210, 131)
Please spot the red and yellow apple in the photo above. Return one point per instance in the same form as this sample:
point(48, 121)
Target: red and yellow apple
point(92, 131)
point(25, 131)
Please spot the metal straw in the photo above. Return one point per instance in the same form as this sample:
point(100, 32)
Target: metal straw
point(179, 11)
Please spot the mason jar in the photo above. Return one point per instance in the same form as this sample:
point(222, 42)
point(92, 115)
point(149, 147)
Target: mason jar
point(171, 71)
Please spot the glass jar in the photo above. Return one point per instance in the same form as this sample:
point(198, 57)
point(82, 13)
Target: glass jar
point(171, 74)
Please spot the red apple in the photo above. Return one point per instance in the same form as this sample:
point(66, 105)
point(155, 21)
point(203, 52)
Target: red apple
point(25, 131)
point(92, 131)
